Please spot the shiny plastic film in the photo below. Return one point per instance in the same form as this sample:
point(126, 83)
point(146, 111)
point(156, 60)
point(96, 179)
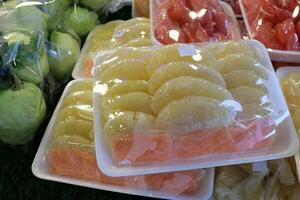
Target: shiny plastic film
point(131, 33)
point(179, 21)
point(290, 79)
point(271, 180)
point(59, 30)
point(23, 67)
point(276, 24)
point(70, 153)
point(183, 106)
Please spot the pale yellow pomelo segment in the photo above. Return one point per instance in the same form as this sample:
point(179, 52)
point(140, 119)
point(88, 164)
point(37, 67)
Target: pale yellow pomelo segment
point(291, 89)
point(187, 86)
point(247, 95)
point(72, 140)
point(138, 30)
point(253, 111)
point(102, 35)
point(79, 98)
point(170, 53)
point(177, 69)
point(241, 62)
point(74, 127)
point(193, 113)
point(127, 87)
point(84, 112)
point(296, 118)
point(126, 70)
point(132, 21)
point(231, 47)
point(128, 123)
point(238, 78)
point(123, 55)
point(139, 42)
point(82, 86)
point(134, 101)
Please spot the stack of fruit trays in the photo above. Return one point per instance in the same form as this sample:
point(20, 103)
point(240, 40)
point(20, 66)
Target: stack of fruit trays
point(155, 120)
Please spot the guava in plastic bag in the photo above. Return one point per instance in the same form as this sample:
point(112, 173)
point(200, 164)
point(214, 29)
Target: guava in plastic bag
point(94, 4)
point(22, 111)
point(63, 54)
point(81, 20)
point(26, 52)
point(25, 16)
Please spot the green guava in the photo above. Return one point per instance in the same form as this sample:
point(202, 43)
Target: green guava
point(27, 54)
point(81, 20)
point(94, 4)
point(63, 55)
point(22, 112)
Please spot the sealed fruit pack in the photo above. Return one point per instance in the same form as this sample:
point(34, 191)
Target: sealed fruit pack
point(290, 79)
point(67, 154)
point(276, 24)
point(131, 33)
point(180, 106)
point(180, 21)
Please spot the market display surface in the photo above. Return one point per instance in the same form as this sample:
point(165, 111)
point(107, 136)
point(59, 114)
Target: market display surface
point(166, 95)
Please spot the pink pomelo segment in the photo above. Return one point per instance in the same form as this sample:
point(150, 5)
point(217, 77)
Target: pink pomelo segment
point(79, 163)
point(140, 148)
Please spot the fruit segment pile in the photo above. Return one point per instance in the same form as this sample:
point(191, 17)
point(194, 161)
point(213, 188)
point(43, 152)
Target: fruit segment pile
point(132, 33)
point(72, 151)
point(157, 105)
point(188, 21)
point(275, 23)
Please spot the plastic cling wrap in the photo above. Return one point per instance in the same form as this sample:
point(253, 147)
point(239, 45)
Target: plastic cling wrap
point(180, 21)
point(131, 33)
point(290, 78)
point(23, 67)
point(276, 24)
point(183, 106)
point(69, 153)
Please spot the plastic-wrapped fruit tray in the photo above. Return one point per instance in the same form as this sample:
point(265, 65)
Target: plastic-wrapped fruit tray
point(129, 143)
point(76, 164)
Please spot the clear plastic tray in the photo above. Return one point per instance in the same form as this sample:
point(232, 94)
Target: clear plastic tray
point(274, 146)
point(276, 55)
point(234, 29)
point(281, 74)
point(41, 167)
